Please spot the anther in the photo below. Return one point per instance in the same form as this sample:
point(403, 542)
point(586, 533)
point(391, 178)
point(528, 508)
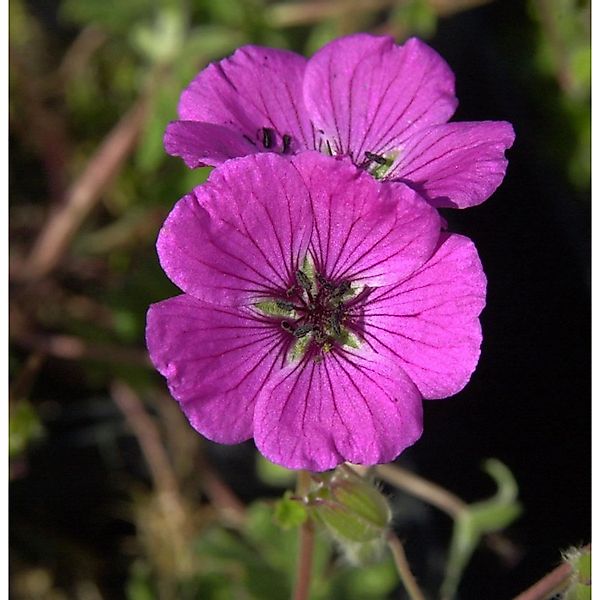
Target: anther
point(324, 282)
point(268, 137)
point(285, 305)
point(286, 142)
point(287, 326)
point(336, 321)
point(303, 330)
point(303, 280)
point(380, 160)
point(342, 288)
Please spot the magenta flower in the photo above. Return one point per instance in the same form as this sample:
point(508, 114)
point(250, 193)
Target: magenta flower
point(319, 308)
point(385, 106)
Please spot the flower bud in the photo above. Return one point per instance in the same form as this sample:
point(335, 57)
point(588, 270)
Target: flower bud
point(352, 509)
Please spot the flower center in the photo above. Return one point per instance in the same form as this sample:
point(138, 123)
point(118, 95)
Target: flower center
point(379, 164)
point(316, 313)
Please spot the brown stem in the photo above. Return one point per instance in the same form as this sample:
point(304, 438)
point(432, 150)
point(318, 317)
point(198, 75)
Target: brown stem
point(301, 13)
point(404, 572)
point(24, 380)
point(446, 501)
point(85, 193)
point(305, 545)
point(551, 584)
point(148, 436)
point(70, 347)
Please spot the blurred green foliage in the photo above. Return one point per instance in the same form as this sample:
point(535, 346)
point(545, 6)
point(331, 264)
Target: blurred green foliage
point(25, 428)
point(258, 562)
point(563, 54)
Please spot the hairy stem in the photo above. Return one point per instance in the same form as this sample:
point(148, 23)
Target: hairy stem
point(404, 572)
point(551, 584)
point(305, 545)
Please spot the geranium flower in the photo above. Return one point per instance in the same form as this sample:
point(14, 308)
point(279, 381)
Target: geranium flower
point(384, 106)
point(319, 307)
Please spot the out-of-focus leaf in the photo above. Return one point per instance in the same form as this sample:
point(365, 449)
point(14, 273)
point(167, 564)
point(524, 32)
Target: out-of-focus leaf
point(139, 585)
point(24, 427)
point(289, 513)
point(161, 40)
point(321, 34)
point(370, 582)
point(479, 519)
point(273, 474)
point(112, 15)
point(415, 17)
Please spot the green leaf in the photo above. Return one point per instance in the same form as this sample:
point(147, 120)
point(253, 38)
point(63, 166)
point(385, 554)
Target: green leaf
point(289, 513)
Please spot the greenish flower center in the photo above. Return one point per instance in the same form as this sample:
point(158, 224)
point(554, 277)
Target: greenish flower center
point(379, 164)
point(314, 312)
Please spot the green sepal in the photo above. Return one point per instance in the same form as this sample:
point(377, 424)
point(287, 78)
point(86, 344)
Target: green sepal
point(580, 560)
point(353, 510)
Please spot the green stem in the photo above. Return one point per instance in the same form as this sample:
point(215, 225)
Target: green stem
point(305, 545)
point(423, 489)
point(404, 572)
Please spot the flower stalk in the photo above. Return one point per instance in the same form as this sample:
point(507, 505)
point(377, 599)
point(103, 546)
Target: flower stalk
point(408, 580)
point(306, 543)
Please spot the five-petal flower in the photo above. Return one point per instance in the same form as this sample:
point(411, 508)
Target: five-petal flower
point(384, 106)
point(320, 306)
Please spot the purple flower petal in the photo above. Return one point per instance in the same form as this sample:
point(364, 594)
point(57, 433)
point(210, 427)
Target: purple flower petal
point(368, 95)
point(457, 164)
point(241, 235)
point(253, 90)
point(429, 322)
point(365, 231)
point(202, 144)
point(216, 361)
point(350, 407)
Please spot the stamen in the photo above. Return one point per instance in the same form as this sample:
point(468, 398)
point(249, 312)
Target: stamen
point(324, 282)
point(303, 330)
point(336, 321)
point(287, 141)
point(319, 313)
point(341, 289)
point(380, 160)
point(268, 137)
point(303, 280)
point(287, 326)
point(283, 304)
